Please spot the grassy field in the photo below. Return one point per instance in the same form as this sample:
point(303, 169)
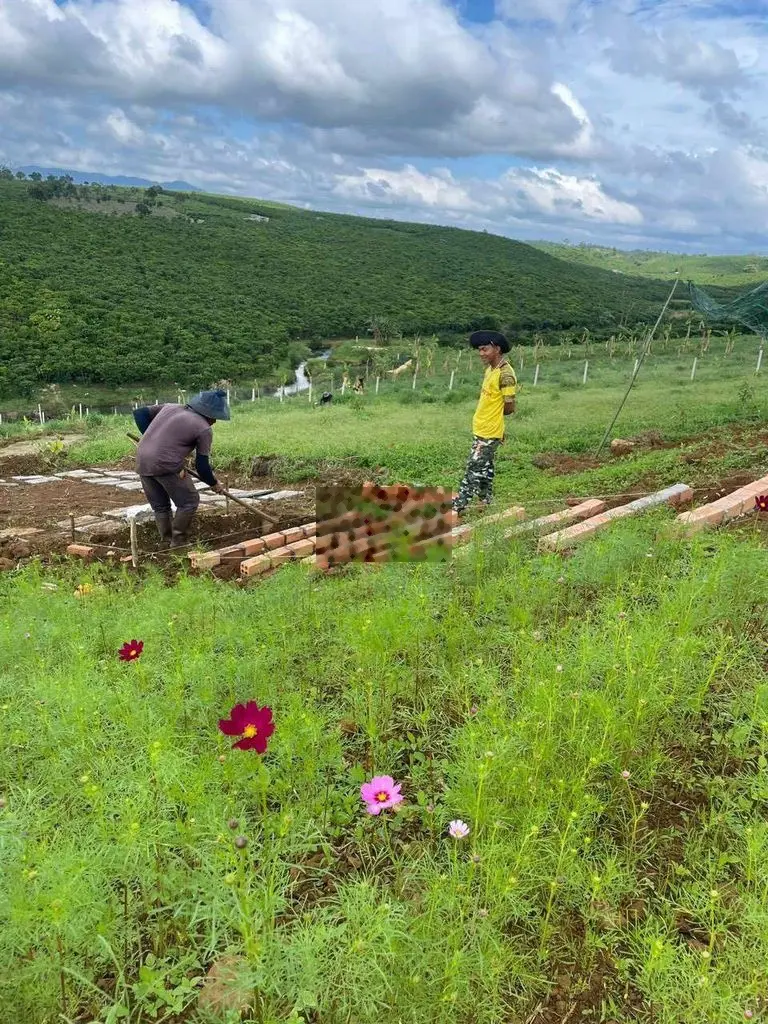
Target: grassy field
point(745, 271)
point(600, 724)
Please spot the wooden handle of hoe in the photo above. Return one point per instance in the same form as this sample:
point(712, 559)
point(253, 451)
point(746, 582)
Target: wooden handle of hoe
point(237, 501)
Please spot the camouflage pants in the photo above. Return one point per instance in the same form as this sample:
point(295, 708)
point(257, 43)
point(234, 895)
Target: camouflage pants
point(478, 478)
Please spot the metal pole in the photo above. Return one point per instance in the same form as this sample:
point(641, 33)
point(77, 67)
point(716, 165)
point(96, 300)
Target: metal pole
point(638, 364)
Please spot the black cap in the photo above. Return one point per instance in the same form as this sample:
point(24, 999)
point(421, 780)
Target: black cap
point(480, 338)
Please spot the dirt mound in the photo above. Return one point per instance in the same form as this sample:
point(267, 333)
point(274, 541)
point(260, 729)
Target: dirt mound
point(563, 463)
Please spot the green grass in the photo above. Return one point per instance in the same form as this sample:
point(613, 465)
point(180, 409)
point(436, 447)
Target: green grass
point(507, 689)
point(742, 271)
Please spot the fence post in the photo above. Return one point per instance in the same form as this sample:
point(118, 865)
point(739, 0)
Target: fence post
point(586, 371)
point(759, 359)
point(536, 376)
point(634, 368)
point(134, 543)
point(310, 392)
point(377, 384)
point(253, 394)
point(413, 382)
point(229, 401)
point(693, 370)
point(450, 386)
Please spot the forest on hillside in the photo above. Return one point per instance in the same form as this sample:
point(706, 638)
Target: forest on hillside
point(100, 284)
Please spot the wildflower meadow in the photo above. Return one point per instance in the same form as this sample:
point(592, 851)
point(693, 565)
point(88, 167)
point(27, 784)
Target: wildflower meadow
point(516, 788)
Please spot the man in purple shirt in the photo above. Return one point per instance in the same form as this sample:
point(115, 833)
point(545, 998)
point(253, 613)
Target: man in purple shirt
point(169, 434)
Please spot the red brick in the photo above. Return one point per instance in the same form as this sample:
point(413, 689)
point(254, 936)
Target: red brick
point(273, 541)
point(310, 529)
point(280, 556)
point(302, 548)
point(80, 551)
point(204, 560)
point(250, 548)
point(256, 566)
point(293, 534)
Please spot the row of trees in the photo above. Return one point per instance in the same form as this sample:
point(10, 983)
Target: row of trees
point(209, 294)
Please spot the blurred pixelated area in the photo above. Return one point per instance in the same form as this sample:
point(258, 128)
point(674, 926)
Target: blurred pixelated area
point(383, 524)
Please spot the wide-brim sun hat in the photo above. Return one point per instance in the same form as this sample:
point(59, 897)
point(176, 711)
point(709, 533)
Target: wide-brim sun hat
point(211, 404)
point(480, 338)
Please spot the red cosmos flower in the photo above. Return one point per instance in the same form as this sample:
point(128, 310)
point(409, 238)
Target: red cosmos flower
point(252, 723)
point(761, 503)
point(131, 651)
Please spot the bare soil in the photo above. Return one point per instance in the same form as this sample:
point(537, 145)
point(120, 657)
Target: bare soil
point(43, 505)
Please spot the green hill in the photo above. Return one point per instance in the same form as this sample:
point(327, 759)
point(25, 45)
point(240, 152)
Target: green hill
point(741, 272)
point(116, 285)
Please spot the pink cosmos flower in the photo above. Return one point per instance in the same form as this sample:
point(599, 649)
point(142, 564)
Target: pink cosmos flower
point(380, 793)
point(458, 829)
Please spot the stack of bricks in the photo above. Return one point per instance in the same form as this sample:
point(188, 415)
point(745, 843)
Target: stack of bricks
point(257, 556)
point(382, 524)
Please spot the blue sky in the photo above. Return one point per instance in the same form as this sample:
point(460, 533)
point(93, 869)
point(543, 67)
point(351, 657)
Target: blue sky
point(636, 123)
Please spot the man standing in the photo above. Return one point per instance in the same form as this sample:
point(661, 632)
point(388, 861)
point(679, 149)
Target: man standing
point(497, 400)
point(170, 433)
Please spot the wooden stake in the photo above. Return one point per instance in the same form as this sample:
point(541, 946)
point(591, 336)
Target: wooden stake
point(450, 386)
point(72, 525)
point(134, 543)
point(695, 363)
point(759, 359)
point(586, 371)
point(536, 376)
point(377, 384)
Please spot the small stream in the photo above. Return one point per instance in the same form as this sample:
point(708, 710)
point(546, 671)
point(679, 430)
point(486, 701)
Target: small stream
point(302, 381)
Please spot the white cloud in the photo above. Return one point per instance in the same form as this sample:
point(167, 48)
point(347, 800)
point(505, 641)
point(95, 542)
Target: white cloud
point(408, 187)
point(614, 120)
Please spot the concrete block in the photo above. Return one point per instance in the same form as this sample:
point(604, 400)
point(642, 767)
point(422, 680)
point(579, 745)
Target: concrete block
point(129, 485)
point(15, 532)
point(141, 512)
point(280, 495)
point(108, 481)
point(256, 566)
point(77, 474)
point(33, 481)
point(81, 522)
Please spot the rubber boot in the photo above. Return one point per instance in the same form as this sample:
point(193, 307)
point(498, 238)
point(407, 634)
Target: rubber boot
point(164, 522)
point(181, 524)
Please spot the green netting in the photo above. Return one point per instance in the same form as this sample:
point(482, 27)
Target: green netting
point(750, 310)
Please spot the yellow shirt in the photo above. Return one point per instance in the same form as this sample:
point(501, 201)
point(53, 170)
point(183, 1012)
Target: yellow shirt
point(499, 385)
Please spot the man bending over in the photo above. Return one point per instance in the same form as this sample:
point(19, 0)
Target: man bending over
point(169, 435)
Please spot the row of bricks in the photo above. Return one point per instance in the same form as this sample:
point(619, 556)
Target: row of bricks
point(678, 494)
point(395, 526)
point(380, 549)
point(298, 551)
point(251, 548)
point(724, 509)
point(362, 516)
